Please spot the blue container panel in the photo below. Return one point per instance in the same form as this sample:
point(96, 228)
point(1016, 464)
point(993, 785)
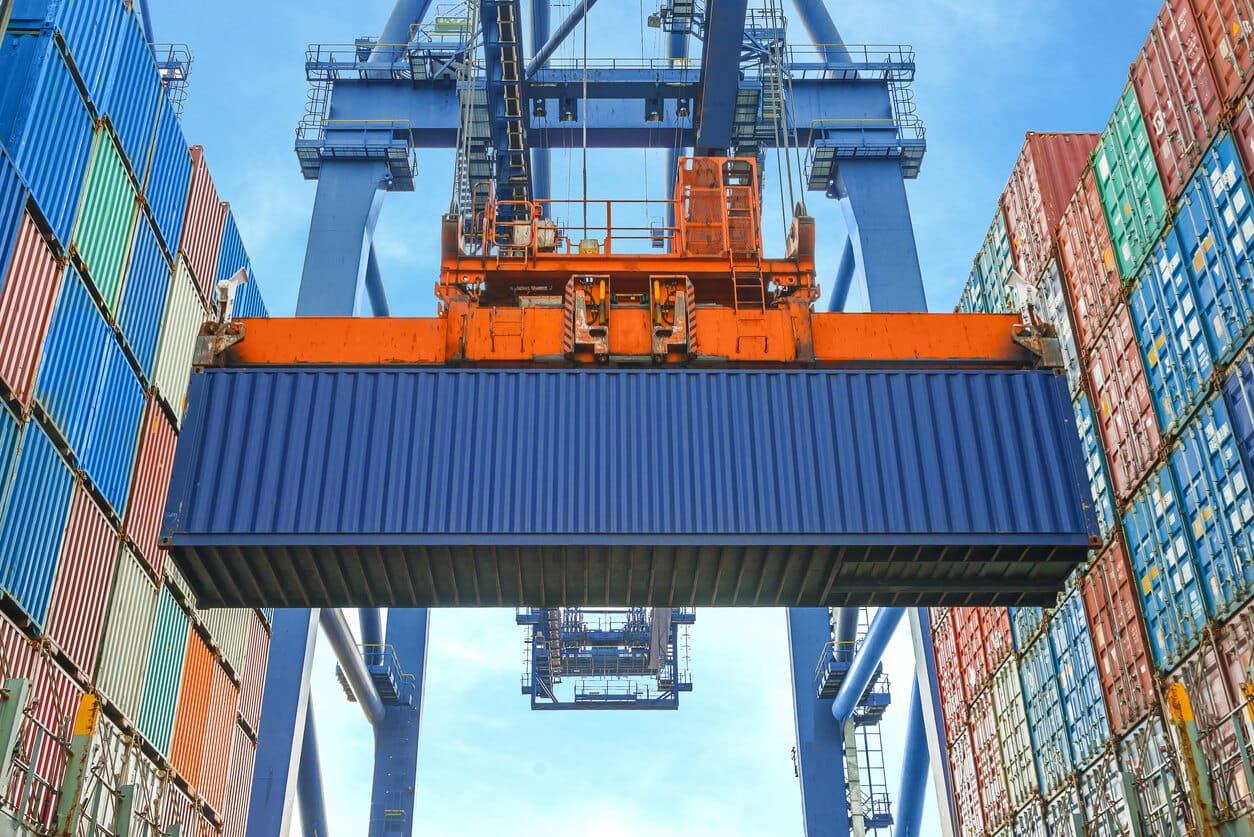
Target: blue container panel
point(46, 126)
point(1168, 329)
point(113, 433)
point(1095, 465)
point(248, 301)
point(12, 202)
point(830, 458)
point(143, 295)
point(169, 177)
point(132, 92)
point(1025, 623)
point(34, 523)
point(1238, 390)
point(231, 255)
point(88, 27)
point(1164, 570)
point(1217, 507)
point(9, 432)
point(74, 353)
point(1078, 681)
point(1216, 225)
point(1047, 724)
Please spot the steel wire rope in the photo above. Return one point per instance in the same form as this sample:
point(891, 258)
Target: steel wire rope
point(583, 118)
point(796, 143)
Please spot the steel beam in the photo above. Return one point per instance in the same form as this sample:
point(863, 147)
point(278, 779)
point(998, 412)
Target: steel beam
point(371, 630)
point(335, 626)
point(845, 273)
point(820, 752)
point(720, 74)
point(313, 807)
point(821, 28)
point(847, 624)
point(541, 158)
point(676, 51)
point(396, 737)
point(914, 763)
point(933, 718)
point(284, 704)
point(544, 51)
point(866, 661)
point(145, 17)
point(395, 34)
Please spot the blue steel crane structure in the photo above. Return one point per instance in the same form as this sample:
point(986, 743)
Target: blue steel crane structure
point(376, 102)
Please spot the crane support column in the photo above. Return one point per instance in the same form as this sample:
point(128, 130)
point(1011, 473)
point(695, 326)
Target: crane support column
point(822, 29)
point(914, 765)
point(872, 195)
point(541, 158)
point(341, 235)
point(844, 278)
point(720, 71)
point(313, 807)
point(933, 718)
point(396, 737)
point(378, 307)
point(283, 707)
point(820, 752)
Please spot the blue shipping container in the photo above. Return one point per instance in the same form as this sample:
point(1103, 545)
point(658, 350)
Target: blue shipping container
point(108, 455)
point(1047, 725)
point(143, 295)
point(1095, 466)
point(1165, 570)
point(12, 203)
point(231, 257)
point(1238, 390)
point(1078, 681)
point(248, 301)
point(73, 355)
point(87, 26)
point(995, 263)
point(843, 460)
point(1167, 325)
point(9, 432)
point(46, 125)
point(132, 92)
point(1217, 507)
point(1025, 624)
point(1052, 298)
point(1216, 225)
point(169, 177)
point(34, 523)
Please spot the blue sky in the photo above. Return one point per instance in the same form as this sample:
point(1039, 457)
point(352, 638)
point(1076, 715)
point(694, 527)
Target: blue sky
point(989, 70)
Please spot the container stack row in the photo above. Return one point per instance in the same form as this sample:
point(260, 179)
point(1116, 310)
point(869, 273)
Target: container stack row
point(112, 239)
point(1129, 706)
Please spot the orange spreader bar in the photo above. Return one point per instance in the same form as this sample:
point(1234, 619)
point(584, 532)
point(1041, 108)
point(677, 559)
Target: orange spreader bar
point(533, 336)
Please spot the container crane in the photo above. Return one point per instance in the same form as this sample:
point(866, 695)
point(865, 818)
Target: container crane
point(602, 365)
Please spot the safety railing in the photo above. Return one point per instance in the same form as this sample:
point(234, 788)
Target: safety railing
point(383, 655)
point(594, 64)
point(577, 227)
point(890, 62)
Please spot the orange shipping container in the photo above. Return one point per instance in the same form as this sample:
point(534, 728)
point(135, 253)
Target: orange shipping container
point(219, 729)
point(188, 744)
point(1088, 261)
point(26, 302)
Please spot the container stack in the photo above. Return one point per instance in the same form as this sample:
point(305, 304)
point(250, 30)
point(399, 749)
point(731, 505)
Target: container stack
point(1135, 693)
point(112, 239)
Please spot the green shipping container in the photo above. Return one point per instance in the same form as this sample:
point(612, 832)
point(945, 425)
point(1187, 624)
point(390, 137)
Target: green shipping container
point(165, 673)
point(106, 219)
point(1127, 177)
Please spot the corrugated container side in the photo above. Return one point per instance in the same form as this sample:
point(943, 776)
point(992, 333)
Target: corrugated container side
point(248, 299)
point(253, 677)
point(74, 353)
point(1088, 261)
point(182, 590)
point(169, 177)
point(26, 304)
point(149, 484)
point(1078, 681)
point(10, 432)
point(1127, 179)
point(49, 717)
point(966, 782)
point(1047, 725)
point(949, 671)
point(1122, 402)
point(1235, 779)
point(202, 233)
point(231, 255)
point(12, 208)
point(87, 26)
point(1177, 93)
point(228, 628)
point(986, 750)
point(1147, 754)
point(995, 626)
point(1064, 814)
point(1238, 390)
point(1217, 506)
point(1243, 134)
point(127, 635)
point(1114, 618)
point(35, 516)
point(1105, 803)
point(219, 730)
point(184, 315)
point(165, 673)
point(149, 782)
point(1169, 332)
point(178, 809)
point(1053, 299)
point(1012, 732)
point(1095, 466)
point(132, 91)
point(995, 263)
point(113, 432)
point(114, 761)
point(144, 293)
point(1030, 821)
point(238, 784)
point(106, 219)
point(80, 592)
point(1043, 179)
point(1225, 28)
point(188, 745)
point(1026, 624)
point(1163, 564)
point(47, 126)
point(1215, 222)
point(972, 650)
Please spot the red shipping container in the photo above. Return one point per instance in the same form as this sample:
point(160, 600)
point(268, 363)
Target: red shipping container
point(179, 809)
point(1088, 261)
point(986, 750)
point(238, 784)
point(26, 303)
point(1121, 400)
point(966, 783)
point(53, 702)
point(187, 748)
point(1177, 93)
point(1243, 135)
point(995, 625)
point(1123, 662)
point(972, 651)
point(1227, 28)
point(253, 678)
point(80, 592)
point(149, 484)
point(219, 729)
point(949, 672)
point(1041, 183)
point(203, 224)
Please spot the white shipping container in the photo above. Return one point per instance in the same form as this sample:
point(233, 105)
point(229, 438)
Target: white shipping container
point(1051, 301)
point(228, 630)
point(1063, 815)
point(1012, 732)
point(1105, 800)
point(127, 635)
point(184, 315)
point(1030, 822)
